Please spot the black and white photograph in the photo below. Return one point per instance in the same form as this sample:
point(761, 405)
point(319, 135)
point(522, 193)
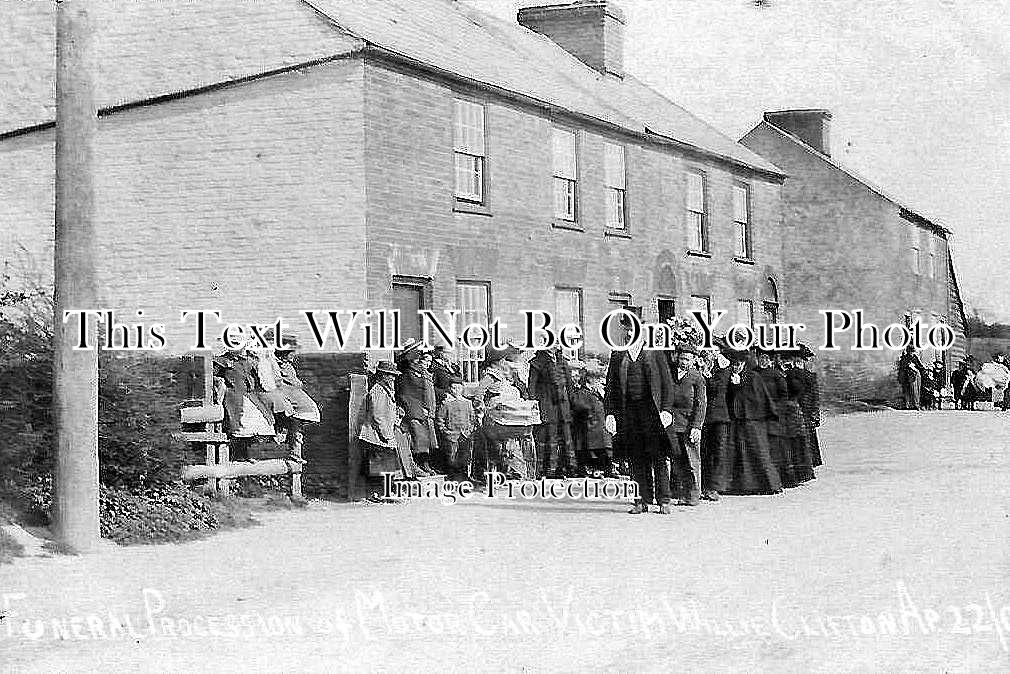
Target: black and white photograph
point(504, 336)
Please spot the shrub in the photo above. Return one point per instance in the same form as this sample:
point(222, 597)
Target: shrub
point(164, 513)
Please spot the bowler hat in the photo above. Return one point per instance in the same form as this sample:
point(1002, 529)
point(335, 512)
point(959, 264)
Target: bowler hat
point(387, 367)
point(805, 352)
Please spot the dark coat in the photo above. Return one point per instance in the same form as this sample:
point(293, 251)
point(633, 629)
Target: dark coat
point(749, 400)
point(778, 391)
point(657, 374)
point(717, 387)
point(689, 401)
point(588, 416)
point(958, 378)
point(415, 392)
point(908, 364)
point(550, 384)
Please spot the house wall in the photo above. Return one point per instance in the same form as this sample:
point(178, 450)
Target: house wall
point(248, 200)
point(849, 248)
point(413, 230)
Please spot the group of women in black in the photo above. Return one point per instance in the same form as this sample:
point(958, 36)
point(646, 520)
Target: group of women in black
point(760, 431)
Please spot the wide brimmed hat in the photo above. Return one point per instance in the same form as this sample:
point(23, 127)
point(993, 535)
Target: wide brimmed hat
point(688, 348)
point(387, 367)
point(493, 355)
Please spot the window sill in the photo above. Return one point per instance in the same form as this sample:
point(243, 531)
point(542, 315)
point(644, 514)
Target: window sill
point(699, 253)
point(616, 233)
point(744, 260)
point(565, 224)
point(459, 206)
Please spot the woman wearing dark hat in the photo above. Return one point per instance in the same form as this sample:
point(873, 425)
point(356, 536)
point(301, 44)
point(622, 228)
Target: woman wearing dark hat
point(415, 392)
point(910, 372)
point(550, 384)
point(810, 402)
point(778, 440)
point(752, 470)
point(794, 423)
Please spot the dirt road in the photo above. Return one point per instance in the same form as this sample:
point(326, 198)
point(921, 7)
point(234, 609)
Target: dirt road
point(894, 559)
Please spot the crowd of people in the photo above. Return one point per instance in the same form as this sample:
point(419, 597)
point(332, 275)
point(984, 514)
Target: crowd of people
point(686, 424)
point(970, 384)
point(263, 397)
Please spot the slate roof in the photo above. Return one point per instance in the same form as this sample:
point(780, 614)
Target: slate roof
point(908, 211)
point(150, 48)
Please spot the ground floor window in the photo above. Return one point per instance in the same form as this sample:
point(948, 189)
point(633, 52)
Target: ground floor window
point(473, 300)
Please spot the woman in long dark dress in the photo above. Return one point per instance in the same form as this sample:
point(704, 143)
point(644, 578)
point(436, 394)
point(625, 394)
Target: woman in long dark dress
point(750, 407)
point(794, 422)
point(778, 437)
point(810, 404)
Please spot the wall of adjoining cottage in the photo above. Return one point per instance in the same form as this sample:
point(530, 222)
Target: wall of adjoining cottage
point(248, 200)
point(849, 248)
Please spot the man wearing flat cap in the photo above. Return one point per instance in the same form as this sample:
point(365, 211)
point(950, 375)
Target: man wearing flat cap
point(639, 408)
point(689, 406)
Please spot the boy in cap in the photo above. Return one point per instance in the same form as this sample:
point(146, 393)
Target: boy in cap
point(456, 421)
point(593, 443)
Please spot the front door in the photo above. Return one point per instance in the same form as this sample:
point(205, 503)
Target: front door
point(408, 299)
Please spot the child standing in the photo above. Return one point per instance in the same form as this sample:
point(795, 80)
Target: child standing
point(594, 445)
point(456, 421)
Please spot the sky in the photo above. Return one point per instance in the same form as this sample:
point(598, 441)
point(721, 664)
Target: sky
point(919, 92)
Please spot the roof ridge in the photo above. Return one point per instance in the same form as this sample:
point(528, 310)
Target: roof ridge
point(865, 182)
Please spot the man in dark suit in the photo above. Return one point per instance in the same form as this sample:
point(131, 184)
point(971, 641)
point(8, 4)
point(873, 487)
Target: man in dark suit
point(638, 407)
point(689, 405)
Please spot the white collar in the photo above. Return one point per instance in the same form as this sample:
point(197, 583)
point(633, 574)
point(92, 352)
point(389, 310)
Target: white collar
point(635, 350)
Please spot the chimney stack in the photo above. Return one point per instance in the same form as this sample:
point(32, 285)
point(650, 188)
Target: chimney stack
point(810, 126)
point(590, 30)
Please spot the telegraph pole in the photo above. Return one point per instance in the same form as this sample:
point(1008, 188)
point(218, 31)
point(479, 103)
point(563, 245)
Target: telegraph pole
point(75, 373)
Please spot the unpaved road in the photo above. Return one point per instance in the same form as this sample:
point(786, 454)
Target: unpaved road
point(894, 559)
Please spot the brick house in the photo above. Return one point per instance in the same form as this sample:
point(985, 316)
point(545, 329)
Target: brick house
point(264, 158)
point(850, 245)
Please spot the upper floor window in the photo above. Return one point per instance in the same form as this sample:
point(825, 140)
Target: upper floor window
point(469, 150)
point(940, 261)
point(697, 221)
point(916, 261)
point(565, 151)
point(741, 221)
point(616, 181)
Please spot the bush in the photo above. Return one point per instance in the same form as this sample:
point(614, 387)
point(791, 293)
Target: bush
point(164, 513)
point(141, 498)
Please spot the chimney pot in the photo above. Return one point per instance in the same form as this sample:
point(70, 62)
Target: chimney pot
point(590, 30)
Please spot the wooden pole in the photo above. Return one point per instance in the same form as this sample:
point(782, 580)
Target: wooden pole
point(75, 372)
